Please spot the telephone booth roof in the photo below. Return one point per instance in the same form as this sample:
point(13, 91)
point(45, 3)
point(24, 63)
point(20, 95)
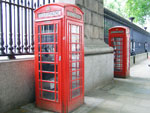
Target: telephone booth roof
point(120, 27)
point(58, 10)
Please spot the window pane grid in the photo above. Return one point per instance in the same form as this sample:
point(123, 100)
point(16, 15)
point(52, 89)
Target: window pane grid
point(118, 46)
point(75, 60)
point(48, 62)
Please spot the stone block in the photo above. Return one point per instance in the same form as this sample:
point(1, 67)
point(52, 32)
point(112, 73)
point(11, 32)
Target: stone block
point(101, 33)
point(87, 16)
point(91, 5)
point(96, 31)
point(79, 2)
point(96, 19)
point(100, 8)
point(88, 30)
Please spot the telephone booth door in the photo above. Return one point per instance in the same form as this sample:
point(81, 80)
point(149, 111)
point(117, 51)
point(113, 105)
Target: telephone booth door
point(119, 40)
point(76, 64)
point(48, 50)
point(59, 57)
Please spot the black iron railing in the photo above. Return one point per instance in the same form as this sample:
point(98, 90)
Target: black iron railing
point(16, 26)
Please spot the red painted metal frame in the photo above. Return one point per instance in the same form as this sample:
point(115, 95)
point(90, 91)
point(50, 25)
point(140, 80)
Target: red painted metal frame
point(122, 55)
point(63, 58)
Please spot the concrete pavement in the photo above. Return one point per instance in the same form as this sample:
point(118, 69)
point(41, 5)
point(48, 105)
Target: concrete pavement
point(131, 95)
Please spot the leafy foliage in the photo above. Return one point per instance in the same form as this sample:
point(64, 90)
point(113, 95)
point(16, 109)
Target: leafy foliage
point(117, 6)
point(140, 9)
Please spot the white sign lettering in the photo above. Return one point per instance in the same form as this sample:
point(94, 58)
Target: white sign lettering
point(74, 15)
point(49, 14)
point(117, 32)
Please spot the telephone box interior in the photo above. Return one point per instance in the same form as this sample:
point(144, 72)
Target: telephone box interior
point(119, 39)
point(59, 57)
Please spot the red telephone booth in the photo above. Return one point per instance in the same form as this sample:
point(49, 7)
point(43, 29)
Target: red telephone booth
point(59, 57)
point(119, 39)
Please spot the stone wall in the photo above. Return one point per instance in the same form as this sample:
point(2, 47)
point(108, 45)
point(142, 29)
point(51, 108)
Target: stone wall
point(93, 18)
point(16, 83)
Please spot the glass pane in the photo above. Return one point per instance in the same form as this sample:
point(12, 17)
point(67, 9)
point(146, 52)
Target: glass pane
point(56, 48)
point(48, 48)
point(56, 96)
point(48, 67)
point(47, 38)
point(74, 75)
point(75, 38)
point(39, 66)
point(75, 84)
point(78, 73)
point(39, 48)
point(118, 52)
point(75, 56)
point(48, 86)
point(74, 65)
point(38, 29)
point(78, 47)
point(118, 60)
point(117, 39)
point(118, 69)
point(56, 87)
point(119, 47)
point(48, 57)
point(39, 38)
point(75, 93)
point(75, 29)
point(56, 68)
point(47, 28)
point(56, 77)
point(73, 47)
point(56, 28)
point(56, 38)
point(48, 76)
point(118, 65)
point(49, 95)
point(39, 57)
point(118, 56)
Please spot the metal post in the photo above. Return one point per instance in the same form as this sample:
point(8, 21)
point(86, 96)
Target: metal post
point(38, 3)
point(49, 1)
point(1, 31)
point(22, 27)
point(14, 28)
point(29, 26)
point(18, 29)
point(25, 39)
point(6, 22)
point(32, 31)
point(10, 30)
point(43, 2)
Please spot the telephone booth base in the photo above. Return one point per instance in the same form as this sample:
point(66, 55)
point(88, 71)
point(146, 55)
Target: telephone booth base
point(121, 76)
point(57, 108)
